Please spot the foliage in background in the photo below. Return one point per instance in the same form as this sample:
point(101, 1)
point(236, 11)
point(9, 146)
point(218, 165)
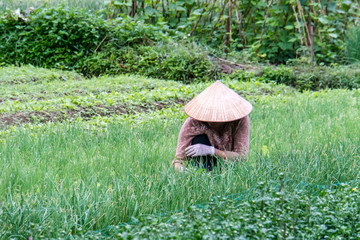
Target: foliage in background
point(93, 5)
point(274, 31)
point(353, 44)
point(82, 41)
point(54, 37)
point(303, 76)
point(85, 42)
point(165, 61)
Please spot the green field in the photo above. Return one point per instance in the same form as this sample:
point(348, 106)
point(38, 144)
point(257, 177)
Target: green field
point(79, 155)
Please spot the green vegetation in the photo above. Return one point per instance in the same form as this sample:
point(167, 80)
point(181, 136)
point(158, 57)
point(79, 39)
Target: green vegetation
point(353, 44)
point(270, 30)
point(59, 95)
point(303, 76)
point(275, 213)
point(91, 104)
point(77, 40)
point(93, 171)
point(182, 44)
point(86, 4)
point(50, 38)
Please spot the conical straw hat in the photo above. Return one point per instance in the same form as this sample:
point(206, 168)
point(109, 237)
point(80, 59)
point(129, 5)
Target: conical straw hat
point(218, 103)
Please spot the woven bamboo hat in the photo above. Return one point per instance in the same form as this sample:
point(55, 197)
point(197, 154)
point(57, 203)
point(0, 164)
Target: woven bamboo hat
point(218, 103)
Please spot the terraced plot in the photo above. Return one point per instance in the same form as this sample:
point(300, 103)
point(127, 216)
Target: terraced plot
point(32, 95)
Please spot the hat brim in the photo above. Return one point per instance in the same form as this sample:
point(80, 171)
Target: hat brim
point(218, 103)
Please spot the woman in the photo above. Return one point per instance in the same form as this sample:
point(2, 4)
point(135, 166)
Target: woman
point(218, 127)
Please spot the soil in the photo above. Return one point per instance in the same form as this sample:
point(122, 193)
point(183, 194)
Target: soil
point(228, 67)
point(23, 117)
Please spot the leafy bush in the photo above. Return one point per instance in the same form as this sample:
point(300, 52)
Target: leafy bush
point(83, 41)
point(306, 77)
point(353, 44)
point(127, 32)
point(54, 37)
point(166, 61)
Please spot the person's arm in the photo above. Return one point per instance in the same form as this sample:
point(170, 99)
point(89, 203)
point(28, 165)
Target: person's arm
point(241, 140)
point(205, 150)
point(178, 165)
point(184, 140)
point(228, 155)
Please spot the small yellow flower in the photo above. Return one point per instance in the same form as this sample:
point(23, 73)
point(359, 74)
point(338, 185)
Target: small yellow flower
point(354, 189)
point(265, 151)
point(98, 184)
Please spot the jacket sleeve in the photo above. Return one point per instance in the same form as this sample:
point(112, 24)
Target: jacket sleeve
point(185, 136)
point(241, 137)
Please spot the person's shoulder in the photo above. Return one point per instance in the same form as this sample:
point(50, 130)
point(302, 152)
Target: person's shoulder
point(242, 121)
point(193, 123)
point(245, 119)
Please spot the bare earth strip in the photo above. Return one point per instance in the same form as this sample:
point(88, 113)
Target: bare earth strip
point(23, 117)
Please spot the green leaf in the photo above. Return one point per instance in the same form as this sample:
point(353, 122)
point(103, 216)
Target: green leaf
point(182, 26)
point(285, 46)
point(323, 20)
point(150, 11)
point(347, 2)
point(333, 35)
point(289, 27)
point(197, 12)
point(180, 9)
point(332, 6)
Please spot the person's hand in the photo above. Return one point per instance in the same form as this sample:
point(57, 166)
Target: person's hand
point(179, 167)
point(199, 150)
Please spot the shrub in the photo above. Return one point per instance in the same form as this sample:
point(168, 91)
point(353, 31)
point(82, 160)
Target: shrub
point(83, 41)
point(321, 77)
point(306, 77)
point(353, 44)
point(167, 61)
point(56, 37)
point(127, 32)
point(174, 61)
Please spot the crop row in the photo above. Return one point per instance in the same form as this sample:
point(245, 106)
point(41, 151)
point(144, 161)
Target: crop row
point(44, 96)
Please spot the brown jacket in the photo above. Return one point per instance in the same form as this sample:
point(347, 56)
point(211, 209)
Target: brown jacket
point(234, 137)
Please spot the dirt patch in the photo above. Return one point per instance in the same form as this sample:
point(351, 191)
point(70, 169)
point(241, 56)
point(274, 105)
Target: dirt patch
point(257, 93)
point(22, 117)
point(21, 80)
point(29, 79)
point(228, 67)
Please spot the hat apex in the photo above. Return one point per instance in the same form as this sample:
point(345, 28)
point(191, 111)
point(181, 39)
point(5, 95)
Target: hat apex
point(218, 103)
